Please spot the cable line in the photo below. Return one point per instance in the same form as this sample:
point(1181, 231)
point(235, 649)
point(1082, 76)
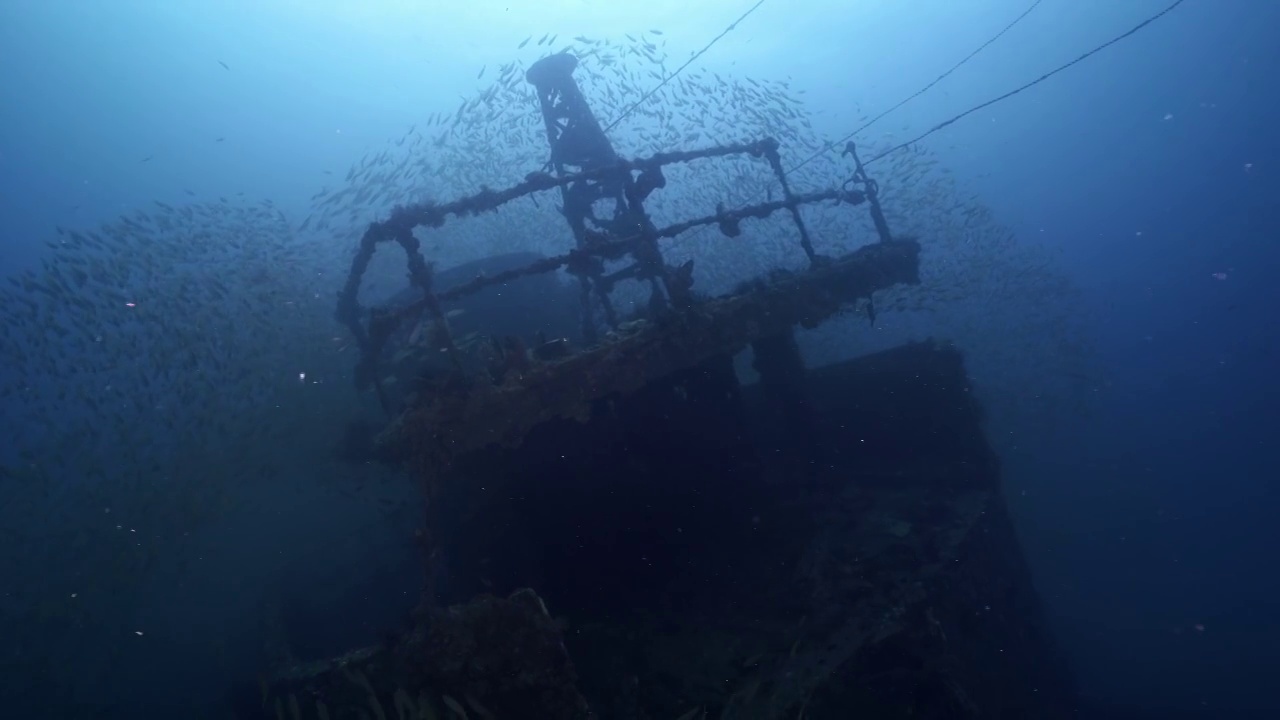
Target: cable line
point(1017, 90)
point(686, 64)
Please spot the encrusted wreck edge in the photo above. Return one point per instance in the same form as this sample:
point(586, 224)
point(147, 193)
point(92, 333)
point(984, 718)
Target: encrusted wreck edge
point(478, 414)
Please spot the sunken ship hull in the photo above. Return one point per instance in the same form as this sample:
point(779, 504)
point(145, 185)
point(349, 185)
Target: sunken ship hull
point(618, 527)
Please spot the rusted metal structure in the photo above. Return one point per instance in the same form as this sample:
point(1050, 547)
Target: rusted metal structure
point(602, 198)
point(642, 435)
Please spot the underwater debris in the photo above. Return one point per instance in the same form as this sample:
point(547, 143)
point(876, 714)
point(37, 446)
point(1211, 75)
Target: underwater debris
point(490, 658)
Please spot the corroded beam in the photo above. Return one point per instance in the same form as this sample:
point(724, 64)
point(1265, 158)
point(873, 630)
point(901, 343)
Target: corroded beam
point(454, 422)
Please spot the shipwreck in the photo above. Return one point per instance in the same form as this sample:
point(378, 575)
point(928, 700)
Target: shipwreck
point(615, 526)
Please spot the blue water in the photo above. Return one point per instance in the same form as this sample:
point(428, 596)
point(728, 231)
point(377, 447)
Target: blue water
point(1145, 179)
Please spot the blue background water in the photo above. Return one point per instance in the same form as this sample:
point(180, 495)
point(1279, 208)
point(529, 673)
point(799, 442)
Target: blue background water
point(1146, 169)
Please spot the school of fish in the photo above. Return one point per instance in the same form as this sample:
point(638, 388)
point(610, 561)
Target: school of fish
point(163, 367)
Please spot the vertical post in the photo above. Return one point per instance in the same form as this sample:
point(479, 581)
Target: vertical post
point(578, 144)
point(872, 190)
point(775, 161)
point(422, 274)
